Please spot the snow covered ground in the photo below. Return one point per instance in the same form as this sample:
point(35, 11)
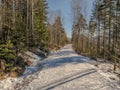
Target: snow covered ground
point(36, 65)
point(63, 70)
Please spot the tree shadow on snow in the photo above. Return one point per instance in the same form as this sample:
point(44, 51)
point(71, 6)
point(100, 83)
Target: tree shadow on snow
point(52, 63)
point(65, 53)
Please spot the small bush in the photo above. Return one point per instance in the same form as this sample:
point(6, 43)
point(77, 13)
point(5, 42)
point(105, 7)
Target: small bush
point(7, 55)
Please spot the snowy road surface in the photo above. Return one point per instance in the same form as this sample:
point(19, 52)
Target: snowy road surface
point(65, 70)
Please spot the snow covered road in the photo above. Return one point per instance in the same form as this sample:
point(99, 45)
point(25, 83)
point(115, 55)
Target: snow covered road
point(64, 70)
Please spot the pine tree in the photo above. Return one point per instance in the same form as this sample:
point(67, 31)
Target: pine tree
point(40, 22)
point(56, 33)
point(22, 25)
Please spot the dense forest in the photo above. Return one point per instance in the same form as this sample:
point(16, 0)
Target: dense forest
point(100, 38)
point(59, 44)
point(23, 26)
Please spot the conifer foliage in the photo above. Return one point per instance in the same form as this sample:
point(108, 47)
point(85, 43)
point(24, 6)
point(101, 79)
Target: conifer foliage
point(22, 25)
point(103, 35)
point(57, 35)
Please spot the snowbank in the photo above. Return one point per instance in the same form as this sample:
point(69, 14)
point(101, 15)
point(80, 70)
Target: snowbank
point(10, 83)
point(36, 63)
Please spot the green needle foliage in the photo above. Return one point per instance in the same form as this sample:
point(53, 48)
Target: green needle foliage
point(22, 26)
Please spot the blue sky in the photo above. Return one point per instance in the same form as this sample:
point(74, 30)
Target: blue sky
point(65, 7)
